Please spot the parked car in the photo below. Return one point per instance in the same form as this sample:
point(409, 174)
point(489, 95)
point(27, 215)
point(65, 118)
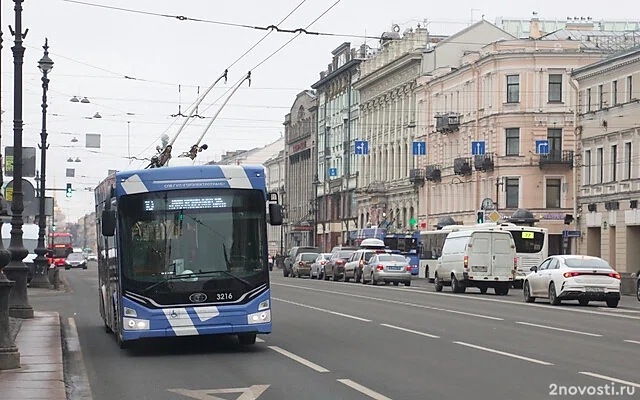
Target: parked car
point(75, 260)
point(291, 257)
point(335, 267)
point(353, 268)
point(573, 277)
point(92, 257)
point(302, 266)
point(317, 266)
point(387, 268)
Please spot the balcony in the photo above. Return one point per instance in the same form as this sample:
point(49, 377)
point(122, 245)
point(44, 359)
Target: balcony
point(433, 173)
point(483, 162)
point(462, 166)
point(448, 122)
point(417, 176)
point(557, 157)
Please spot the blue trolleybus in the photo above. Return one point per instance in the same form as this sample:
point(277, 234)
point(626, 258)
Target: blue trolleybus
point(183, 252)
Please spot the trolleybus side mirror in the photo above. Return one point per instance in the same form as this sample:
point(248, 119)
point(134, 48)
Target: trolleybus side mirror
point(108, 223)
point(275, 214)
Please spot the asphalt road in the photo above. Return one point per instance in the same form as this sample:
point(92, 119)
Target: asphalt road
point(335, 340)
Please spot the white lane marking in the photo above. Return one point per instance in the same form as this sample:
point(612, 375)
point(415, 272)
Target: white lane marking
point(258, 340)
point(410, 331)
point(610, 379)
point(504, 353)
point(404, 303)
point(323, 310)
point(363, 389)
point(481, 298)
point(632, 341)
point(299, 359)
point(558, 329)
point(620, 310)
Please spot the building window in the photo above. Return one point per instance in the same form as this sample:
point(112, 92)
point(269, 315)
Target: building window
point(599, 166)
point(513, 192)
point(553, 193)
point(614, 93)
point(614, 163)
point(600, 97)
point(513, 88)
point(555, 88)
point(587, 167)
point(513, 141)
point(554, 136)
point(627, 160)
point(629, 88)
point(588, 99)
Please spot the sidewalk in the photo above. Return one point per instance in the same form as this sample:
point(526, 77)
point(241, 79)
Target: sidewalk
point(41, 373)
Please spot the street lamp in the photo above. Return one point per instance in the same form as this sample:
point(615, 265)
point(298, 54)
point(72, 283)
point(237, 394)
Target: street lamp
point(75, 99)
point(40, 278)
point(16, 270)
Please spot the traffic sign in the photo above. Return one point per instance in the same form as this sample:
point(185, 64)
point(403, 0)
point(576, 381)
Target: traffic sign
point(542, 146)
point(361, 147)
point(570, 234)
point(419, 148)
point(477, 148)
point(333, 171)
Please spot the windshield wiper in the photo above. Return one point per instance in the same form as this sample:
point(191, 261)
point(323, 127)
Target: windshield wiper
point(178, 276)
point(236, 277)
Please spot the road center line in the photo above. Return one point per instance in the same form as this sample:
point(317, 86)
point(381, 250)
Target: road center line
point(363, 389)
point(410, 331)
point(404, 303)
point(610, 379)
point(504, 353)
point(480, 298)
point(323, 310)
point(632, 341)
point(558, 329)
point(299, 359)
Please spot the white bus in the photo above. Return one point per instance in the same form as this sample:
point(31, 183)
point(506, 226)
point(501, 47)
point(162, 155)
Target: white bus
point(532, 246)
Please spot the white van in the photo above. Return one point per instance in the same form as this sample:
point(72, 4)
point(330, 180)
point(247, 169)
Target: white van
point(30, 241)
point(481, 258)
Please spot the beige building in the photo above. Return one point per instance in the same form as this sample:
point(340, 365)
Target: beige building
point(503, 99)
point(275, 176)
point(609, 179)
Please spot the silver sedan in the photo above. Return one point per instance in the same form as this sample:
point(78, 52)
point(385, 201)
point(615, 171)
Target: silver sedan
point(387, 268)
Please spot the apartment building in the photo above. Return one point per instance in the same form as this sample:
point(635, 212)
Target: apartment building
point(275, 177)
point(609, 124)
point(300, 165)
point(338, 124)
point(501, 127)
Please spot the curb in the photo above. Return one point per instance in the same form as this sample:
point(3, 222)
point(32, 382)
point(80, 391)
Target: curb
point(75, 374)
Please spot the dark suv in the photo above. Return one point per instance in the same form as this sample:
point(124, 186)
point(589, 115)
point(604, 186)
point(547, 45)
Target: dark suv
point(293, 253)
point(334, 268)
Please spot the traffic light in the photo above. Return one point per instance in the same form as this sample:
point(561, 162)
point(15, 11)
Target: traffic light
point(481, 217)
point(69, 190)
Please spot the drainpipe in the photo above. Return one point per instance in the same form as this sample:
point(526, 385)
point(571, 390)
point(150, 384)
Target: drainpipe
point(576, 139)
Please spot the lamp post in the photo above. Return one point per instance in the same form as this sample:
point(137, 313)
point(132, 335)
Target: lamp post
point(9, 355)
point(16, 270)
point(41, 276)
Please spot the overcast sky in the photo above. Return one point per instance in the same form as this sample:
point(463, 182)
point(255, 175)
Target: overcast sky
point(95, 48)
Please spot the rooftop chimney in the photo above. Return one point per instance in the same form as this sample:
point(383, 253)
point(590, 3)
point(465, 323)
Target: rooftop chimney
point(534, 27)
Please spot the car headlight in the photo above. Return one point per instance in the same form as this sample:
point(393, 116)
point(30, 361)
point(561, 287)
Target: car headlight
point(135, 324)
point(263, 305)
point(260, 317)
point(130, 312)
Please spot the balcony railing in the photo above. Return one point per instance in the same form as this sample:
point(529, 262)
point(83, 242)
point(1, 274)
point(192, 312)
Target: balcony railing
point(462, 166)
point(433, 173)
point(483, 162)
point(447, 122)
point(417, 176)
point(557, 157)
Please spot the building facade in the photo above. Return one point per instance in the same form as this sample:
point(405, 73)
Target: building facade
point(502, 129)
point(609, 124)
point(275, 176)
point(300, 168)
point(338, 117)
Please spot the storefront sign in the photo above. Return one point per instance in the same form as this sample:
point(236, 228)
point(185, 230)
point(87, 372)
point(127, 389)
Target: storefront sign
point(299, 146)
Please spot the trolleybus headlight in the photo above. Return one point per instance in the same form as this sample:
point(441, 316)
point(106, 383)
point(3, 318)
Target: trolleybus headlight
point(130, 312)
point(134, 324)
point(259, 317)
point(263, 305)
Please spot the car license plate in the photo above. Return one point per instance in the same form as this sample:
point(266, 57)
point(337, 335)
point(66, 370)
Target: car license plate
point(479, 268)
point(393, 268)
point(595, 290)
